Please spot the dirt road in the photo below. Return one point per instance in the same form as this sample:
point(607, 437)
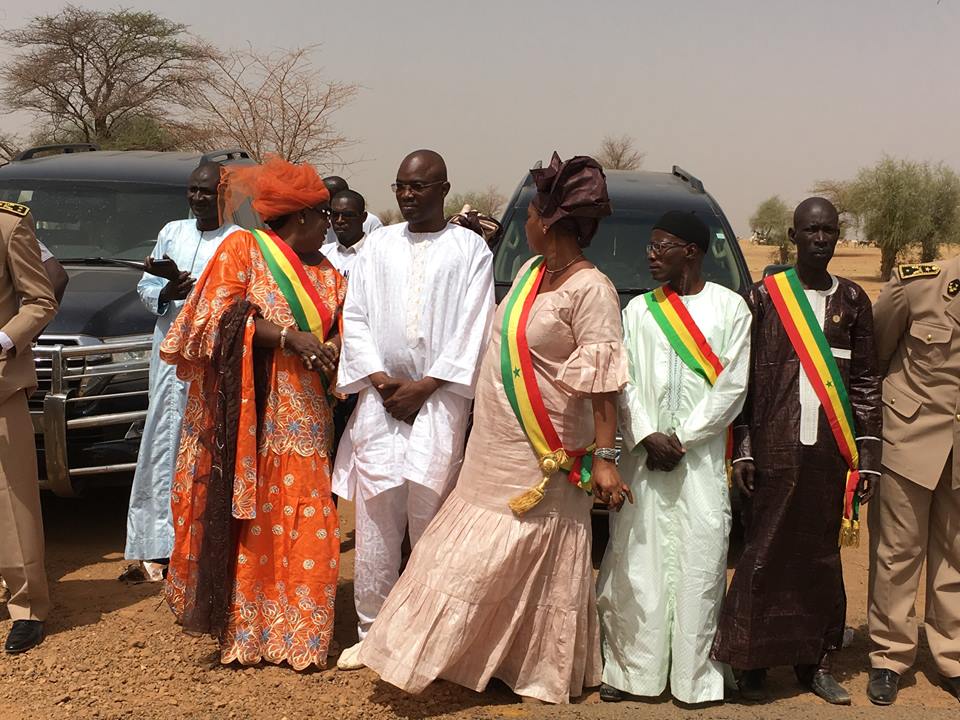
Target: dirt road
point(114, 652)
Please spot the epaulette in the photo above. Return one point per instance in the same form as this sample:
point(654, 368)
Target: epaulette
point(14, 208)
point(909, 272)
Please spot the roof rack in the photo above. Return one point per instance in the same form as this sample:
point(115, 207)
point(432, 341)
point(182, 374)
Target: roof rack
point(226, 154)
point(65, 148)
point(689, 178)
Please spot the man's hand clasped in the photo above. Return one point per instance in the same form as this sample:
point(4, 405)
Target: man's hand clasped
point(664, 452)
point(403, 398)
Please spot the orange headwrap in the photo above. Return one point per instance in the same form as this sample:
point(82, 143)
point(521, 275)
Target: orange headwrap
point(275, 188)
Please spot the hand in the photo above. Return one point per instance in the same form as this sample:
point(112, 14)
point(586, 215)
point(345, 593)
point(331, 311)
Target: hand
point(329, 354)
point(607, 485)
point(866, 488)
point(407, 396)
point(743, 474)
point(177, 289)
point(308, 347)
point(664, 452)
point(384, 385)
point(168, 269)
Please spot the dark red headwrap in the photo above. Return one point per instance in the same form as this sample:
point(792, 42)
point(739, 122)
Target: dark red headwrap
point(575, 189)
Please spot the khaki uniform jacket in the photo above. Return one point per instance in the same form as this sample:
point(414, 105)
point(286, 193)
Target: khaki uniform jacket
point(917, 325)
point(26, 298)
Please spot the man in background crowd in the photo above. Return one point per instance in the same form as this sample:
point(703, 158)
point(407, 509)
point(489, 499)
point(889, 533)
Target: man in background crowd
point(183, 249)
point(336, 185)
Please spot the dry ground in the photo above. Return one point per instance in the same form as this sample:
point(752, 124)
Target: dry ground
point(114, 652)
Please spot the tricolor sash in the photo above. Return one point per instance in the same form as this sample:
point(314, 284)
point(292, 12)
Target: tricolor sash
point(682, 333)
point(523, 392)
point(309, 311)
point(821, 370)
point(687, 341)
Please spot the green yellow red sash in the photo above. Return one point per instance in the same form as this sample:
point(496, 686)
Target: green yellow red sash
point(821, 370)
point(523, 392)
point(687, 341)
point(309, 311)
point(682, 333)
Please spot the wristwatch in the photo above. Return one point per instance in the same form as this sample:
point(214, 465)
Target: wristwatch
point(611, 454)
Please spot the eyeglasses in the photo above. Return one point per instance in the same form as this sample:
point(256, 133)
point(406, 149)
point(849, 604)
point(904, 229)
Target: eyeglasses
point(414, 187)
point(659, 248)
point(325, 211)
point(334, 214)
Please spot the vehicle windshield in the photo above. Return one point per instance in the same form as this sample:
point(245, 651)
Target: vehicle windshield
point(89, 219)
point(618, 249)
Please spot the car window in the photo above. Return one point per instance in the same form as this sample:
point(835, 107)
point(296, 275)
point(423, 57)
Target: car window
point(86, 220)
point(619, 250)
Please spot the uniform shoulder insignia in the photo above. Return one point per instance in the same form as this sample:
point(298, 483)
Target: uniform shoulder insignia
point(908, 272)
point(14, 208)
point(953, 287)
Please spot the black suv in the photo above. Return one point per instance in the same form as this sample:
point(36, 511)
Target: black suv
point(619, 248)
point(92, 207)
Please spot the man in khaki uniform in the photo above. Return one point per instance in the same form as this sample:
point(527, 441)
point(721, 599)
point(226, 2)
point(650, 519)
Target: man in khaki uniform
point(915, 513)
point(26, 306)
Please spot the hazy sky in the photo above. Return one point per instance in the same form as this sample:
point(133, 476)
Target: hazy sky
point(755, 98)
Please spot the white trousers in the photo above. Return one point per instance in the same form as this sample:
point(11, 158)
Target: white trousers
point(381, 522)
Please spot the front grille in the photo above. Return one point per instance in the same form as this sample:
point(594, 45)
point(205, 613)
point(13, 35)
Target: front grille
point(44, 366)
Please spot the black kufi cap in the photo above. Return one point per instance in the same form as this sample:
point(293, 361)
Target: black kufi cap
point(686, 226)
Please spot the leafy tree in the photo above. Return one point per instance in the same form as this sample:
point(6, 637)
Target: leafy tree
point(489, 202)
point(903, 204)
point(770, 224)
point(839, 192)
point(619, 153)
point(93, 75)
point(273, 103)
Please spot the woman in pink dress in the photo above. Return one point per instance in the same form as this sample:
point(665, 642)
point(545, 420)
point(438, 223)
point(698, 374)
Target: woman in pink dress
point(488, 592)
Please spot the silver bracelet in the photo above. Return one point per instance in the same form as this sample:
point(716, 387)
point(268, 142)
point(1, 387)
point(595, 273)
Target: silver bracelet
point(611, 454)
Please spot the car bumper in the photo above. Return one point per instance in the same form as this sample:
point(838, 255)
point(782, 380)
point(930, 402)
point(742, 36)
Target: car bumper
point(89, 407)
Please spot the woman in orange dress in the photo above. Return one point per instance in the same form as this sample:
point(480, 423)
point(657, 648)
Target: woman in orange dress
point(257, 539)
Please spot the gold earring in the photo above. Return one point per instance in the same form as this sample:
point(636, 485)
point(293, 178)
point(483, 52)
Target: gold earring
point(300, 219)
point(544, 228)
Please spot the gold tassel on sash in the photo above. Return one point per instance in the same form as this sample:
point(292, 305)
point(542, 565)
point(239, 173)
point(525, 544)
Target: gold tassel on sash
point(850, 533)
point(550, 464)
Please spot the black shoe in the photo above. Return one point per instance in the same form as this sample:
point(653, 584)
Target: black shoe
point(883, 686)
point(753, 685)
point(608, 693)
point(953, 685)
point(24, 635)
point(824, 686)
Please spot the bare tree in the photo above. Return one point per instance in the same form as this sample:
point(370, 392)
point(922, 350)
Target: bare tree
point(274, 103)
point(619, 153)
point(489, 202)
point(88, 73)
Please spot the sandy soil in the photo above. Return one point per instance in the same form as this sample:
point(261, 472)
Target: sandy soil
point(114, 652)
